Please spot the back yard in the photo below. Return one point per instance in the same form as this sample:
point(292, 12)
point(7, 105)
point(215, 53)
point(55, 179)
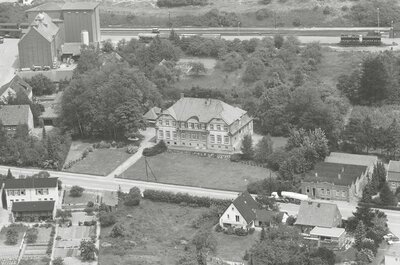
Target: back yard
point(158, 233)
point(191, 170)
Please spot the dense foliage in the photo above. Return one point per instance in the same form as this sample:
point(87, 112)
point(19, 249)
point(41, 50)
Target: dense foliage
point(41, 85)
point(175, 3)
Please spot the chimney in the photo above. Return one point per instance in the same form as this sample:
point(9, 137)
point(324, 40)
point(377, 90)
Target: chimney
point(182, 95)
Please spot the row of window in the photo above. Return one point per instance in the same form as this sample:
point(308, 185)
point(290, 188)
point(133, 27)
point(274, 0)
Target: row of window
point(219, 139)
point(327, 192)
point(193, 136)
point(237, 218)
point(22, 200)
point(22, 192)
point(193, 125)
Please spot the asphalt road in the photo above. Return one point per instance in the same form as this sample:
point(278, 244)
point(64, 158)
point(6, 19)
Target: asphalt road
point(103, 183)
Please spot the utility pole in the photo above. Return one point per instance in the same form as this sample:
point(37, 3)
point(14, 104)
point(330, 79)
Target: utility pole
point(379, 22)
point(275, 19)
point(238, 28)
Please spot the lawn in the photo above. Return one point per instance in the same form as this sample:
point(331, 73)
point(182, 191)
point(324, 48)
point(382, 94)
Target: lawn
point(191, 170)
point(100, 162)
point(76, 149)
point(156, 234)
point(233, 247)
point(87, 195)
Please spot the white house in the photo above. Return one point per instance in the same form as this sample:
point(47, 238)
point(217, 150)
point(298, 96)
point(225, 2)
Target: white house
point(244, 212)
point(32, 197)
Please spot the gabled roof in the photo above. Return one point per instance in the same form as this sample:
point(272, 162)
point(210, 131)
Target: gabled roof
point(18, 85)
point(339, 174)
point(393, 171)
point(152, 114)
point(204, 110)
point(327, 231)
point(317, 214)
point(50, 6)
point(30, 183)
point(13, 115)
point(247, 206)
point(351, 159)
point(44, 25)
point(33, 206)
point(80, 6)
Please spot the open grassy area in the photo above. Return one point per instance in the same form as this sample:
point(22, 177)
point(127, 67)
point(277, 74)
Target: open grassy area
point(184, 169)
point(100, 162)
point(88, 195)
point(159, 231)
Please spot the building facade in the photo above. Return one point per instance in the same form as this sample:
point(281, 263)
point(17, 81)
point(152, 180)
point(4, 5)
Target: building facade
point(393, 175)
point(11, 116)
point(30, 190)
point(208, 124)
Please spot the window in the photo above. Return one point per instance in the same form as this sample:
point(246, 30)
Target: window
point(233, 209)
point(225, 128)
point(308, 189)
point(226, 139)
point(212, 138)
point(183, 135)
point(39, 191)
point(168, 134)
point(218, 127)
point(167, 122)
point(191, 125)
point(173, 123)
point(204, 126)
point(211, 126)
point(219, 139)
point(204, 137)
point(343, 193)
point(199, 126)
point(22, 192)
point(322, 191)
point(51, 199)
point(10, 193)
point(160, 134)
point(328, 192)
point(237, 218)
point(228, 216)
point(194, 136)
point(174, 134)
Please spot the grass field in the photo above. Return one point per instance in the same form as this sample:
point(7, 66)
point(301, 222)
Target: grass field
point(157, 230)
point(88, 195)
point(197, 171)
point(100, 162)
point(232, 247)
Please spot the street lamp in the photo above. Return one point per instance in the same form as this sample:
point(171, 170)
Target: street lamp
point(238, 28)
point(378, 18)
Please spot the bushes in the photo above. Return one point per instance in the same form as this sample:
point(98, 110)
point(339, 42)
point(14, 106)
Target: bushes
point(51, 240)
point(236, 157)
point(164, 196)
point(176, 3)
point(229, 231)
point(11, 236)
point(31, 235)
point(89, 223)
point(133, 197)
point(76, 191)
point(218, 228)
point(107, 219)
point(241, 232)
point(118, 230)
point(159, 148)
point(132, 149)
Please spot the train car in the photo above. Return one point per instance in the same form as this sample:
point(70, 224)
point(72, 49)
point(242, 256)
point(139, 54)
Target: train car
point(148, 37)
point(350, 40)
point(371, 40)
point(289, 197)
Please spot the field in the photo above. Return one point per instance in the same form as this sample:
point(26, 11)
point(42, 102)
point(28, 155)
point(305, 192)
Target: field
point(157, 229)
point(183, 169)
point(100, 162)
point(9, 253)
point(281, 13)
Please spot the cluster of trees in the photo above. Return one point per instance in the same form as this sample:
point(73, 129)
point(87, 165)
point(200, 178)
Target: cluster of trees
point(212, 18)
point(375, 82)
point(11, 13)
point(364, 13)
point(376, 184)
point(284, 245)
point(41, 85)
point(368, 226)
point(176, 3)
point(25, 150)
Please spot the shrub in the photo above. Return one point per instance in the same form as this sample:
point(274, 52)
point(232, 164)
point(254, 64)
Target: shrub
point(241, 232)
point(327, 10)
point(11, 236)
point(229, 231)
point(236, 157)
point(85, 153)
point(133, 197)
point(251, 230)
point(76, 191)
point(118, 230)
point(132, 149)
point(103, 145)
point(296, 22)
point(89, 223)
point(107, 219)
point(58, 261)
point(89, 210)
point(159, 148)
point(31, 235)
point(90, 204)
point(262, 14)
point(218, 228)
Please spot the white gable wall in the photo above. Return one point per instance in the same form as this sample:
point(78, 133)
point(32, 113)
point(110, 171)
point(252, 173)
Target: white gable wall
point(229, 217)
point(9, 92)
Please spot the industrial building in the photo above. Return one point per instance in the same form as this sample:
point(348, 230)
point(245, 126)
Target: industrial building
point(58, 29)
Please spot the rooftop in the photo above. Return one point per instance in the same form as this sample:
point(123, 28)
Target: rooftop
point(393, 171)
point(30, 183)
point(327, 231)
point(247, 206)
point(317, 214)
point(44, 25)
point(14, 115)
point(50, 6)
point(18, 85)
point(339, 174)
point(152, 114)
point(33, 206)
point(351, 159)
point(204, 110)
point(80, 6)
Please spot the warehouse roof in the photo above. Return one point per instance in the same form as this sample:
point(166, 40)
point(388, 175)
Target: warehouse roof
point(30, 183)
point(33, 206)
point(317, 214)
point(80, 6)
point(204, 109)
point(339, 174)
point(13, 115)
point(393, 171)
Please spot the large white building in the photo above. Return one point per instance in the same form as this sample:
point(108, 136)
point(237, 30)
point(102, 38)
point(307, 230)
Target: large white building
point(201, 123)
point(32, 197)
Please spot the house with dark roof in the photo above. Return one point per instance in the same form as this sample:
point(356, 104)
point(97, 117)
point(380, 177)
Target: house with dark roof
point(335, 181)
point(15, 86)
point(393, 175)
point(13, 115)
point(317, 214)
point(244, 212)
point(203, 123)
point(31, 197)
point(152, 115)
point(41, 45)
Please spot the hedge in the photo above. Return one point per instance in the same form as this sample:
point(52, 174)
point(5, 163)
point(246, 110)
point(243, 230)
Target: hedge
point(373, 205)
point(178, 198)
point(159, 148)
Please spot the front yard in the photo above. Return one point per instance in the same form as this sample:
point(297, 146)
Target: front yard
point(191, 170)
point(100, 161)
point(87, 195)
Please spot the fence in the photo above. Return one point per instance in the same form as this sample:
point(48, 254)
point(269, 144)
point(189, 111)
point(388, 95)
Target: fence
point(200, 153)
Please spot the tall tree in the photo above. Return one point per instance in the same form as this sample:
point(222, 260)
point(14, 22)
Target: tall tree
point(359, 234)
point(247, 147)
point(41, 85)
point(263, 149)
point(374, 80)
point(386, 195)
